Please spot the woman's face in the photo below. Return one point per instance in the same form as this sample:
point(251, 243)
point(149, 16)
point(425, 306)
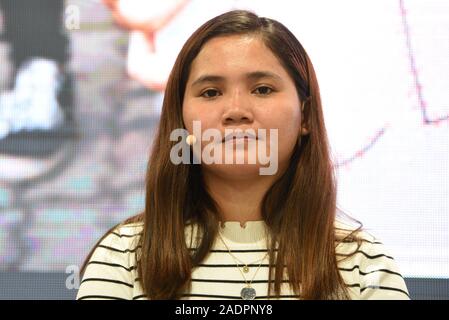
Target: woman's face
point(236, 82)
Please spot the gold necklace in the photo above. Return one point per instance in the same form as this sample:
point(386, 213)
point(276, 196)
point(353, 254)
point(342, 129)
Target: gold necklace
point(245, 265)
point(247, 292)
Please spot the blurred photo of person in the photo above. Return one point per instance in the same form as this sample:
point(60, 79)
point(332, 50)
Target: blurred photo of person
point(36, 110)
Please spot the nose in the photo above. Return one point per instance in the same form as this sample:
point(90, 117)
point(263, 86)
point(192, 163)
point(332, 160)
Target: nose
point(238, 110)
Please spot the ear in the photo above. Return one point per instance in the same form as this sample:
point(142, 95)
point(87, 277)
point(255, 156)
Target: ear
point(304, 131)
point(305, 107)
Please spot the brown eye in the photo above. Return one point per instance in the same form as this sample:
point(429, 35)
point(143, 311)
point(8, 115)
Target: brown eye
point(210, 93)
point(263, 90)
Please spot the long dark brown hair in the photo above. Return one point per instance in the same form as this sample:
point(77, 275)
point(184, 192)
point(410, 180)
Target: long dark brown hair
point(299, 208)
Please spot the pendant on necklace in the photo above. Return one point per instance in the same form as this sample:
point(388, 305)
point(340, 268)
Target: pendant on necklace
point(245, 269)
point(248, 293)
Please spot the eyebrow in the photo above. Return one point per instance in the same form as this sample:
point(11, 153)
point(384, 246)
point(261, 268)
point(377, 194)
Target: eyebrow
point(256, 75)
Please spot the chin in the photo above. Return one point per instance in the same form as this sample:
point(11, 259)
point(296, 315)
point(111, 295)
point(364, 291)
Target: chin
point(234, 171)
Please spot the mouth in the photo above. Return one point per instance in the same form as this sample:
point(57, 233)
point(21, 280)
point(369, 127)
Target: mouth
point(237, 136)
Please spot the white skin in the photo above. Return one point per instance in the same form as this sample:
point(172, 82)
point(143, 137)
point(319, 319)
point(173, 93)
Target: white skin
point(236, 101)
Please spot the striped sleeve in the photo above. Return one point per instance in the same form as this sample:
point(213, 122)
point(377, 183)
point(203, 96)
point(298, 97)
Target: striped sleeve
point(380, 278)
point(110, 273)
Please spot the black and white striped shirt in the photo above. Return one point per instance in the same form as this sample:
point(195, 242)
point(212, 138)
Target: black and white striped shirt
point(111, 272)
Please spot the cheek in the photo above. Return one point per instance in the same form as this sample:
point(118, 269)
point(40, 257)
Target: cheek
point(187, 114)
point(187, 118)
point(193, 112)
point(291, 124)
point(190, 113)
point(287, 120)
point(288, 138)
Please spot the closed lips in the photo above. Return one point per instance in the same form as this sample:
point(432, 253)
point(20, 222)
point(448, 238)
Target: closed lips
point(239, 135)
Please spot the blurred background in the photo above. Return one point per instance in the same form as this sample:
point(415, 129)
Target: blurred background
point(81, 88)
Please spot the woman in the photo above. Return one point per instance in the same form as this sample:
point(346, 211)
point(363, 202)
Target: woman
point(223, 230)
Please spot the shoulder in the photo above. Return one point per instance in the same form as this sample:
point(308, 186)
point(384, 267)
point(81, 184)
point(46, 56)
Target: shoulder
point(110, 271)
point(128, 231)
point(350, 237)
point(367, 265)
point(358, 247)
point(124, 238)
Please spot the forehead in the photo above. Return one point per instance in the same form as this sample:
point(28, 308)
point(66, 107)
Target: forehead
point(236, 54)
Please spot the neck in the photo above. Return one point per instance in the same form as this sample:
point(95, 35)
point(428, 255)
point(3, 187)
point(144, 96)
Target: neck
point(239, 200)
